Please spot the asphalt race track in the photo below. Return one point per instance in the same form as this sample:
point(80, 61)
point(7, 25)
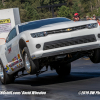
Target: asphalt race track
point(85, 76)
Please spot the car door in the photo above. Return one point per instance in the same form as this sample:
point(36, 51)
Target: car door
point(11, 46)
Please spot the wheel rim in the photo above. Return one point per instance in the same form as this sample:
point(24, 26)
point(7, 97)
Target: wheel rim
point(1, 72)
point(27, 63)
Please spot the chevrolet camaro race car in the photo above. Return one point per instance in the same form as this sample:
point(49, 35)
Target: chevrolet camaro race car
point(53, 42)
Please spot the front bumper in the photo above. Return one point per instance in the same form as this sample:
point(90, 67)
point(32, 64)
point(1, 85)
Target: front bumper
point(69, 45)
point(70, 50)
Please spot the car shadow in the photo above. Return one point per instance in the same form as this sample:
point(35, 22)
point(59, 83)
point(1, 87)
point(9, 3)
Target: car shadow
point(53, 78)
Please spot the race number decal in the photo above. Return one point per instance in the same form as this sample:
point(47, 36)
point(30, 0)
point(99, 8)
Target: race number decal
point(9, 49)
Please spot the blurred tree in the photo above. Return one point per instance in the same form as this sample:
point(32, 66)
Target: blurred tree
point(64, 12)
point(29, 11)
point(75, 8)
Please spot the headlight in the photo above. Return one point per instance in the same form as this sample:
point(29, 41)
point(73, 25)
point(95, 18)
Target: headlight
point(40, 34)
point(94, 25)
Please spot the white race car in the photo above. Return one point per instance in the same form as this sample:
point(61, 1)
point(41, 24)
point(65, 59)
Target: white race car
point(54, 42)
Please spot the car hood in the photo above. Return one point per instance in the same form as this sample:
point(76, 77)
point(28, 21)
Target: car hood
point(70, 23)
point(62, 25)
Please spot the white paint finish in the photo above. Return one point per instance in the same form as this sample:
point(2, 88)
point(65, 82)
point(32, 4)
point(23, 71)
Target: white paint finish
point(26, 35)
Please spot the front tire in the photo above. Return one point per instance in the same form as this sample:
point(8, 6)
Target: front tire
point(30, 65)
point(4, 77)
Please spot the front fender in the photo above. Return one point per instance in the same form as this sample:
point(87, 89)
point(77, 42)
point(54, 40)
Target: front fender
point(24, 37)
point(2, 54)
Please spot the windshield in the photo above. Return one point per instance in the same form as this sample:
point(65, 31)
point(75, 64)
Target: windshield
point(40, 23)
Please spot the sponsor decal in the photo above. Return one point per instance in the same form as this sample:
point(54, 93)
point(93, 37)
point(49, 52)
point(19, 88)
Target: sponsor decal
point(18, 56)
point(15, 63)
point(13, 59)
point(18, 66)
point(5, 25)
point(4, 21)
point(12, 69)
point(15, 67)
point(7, 67)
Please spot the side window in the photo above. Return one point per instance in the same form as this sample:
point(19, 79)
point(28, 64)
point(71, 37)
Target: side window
point(11, 35)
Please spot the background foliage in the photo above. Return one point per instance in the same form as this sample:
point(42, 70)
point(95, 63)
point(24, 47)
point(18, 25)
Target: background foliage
point(29, 10)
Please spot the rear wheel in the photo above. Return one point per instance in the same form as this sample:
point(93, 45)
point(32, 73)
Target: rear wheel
point(4, 77)
point(95, 57)
point(62, 69)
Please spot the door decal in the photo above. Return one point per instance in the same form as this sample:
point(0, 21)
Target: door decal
point(15, 63)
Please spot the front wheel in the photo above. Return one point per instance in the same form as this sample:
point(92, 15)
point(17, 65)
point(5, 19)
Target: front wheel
point(4, 77)
point(30, 65)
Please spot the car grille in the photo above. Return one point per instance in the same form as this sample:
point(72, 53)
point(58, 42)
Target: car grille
point(69, 42)
point(67, 29)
